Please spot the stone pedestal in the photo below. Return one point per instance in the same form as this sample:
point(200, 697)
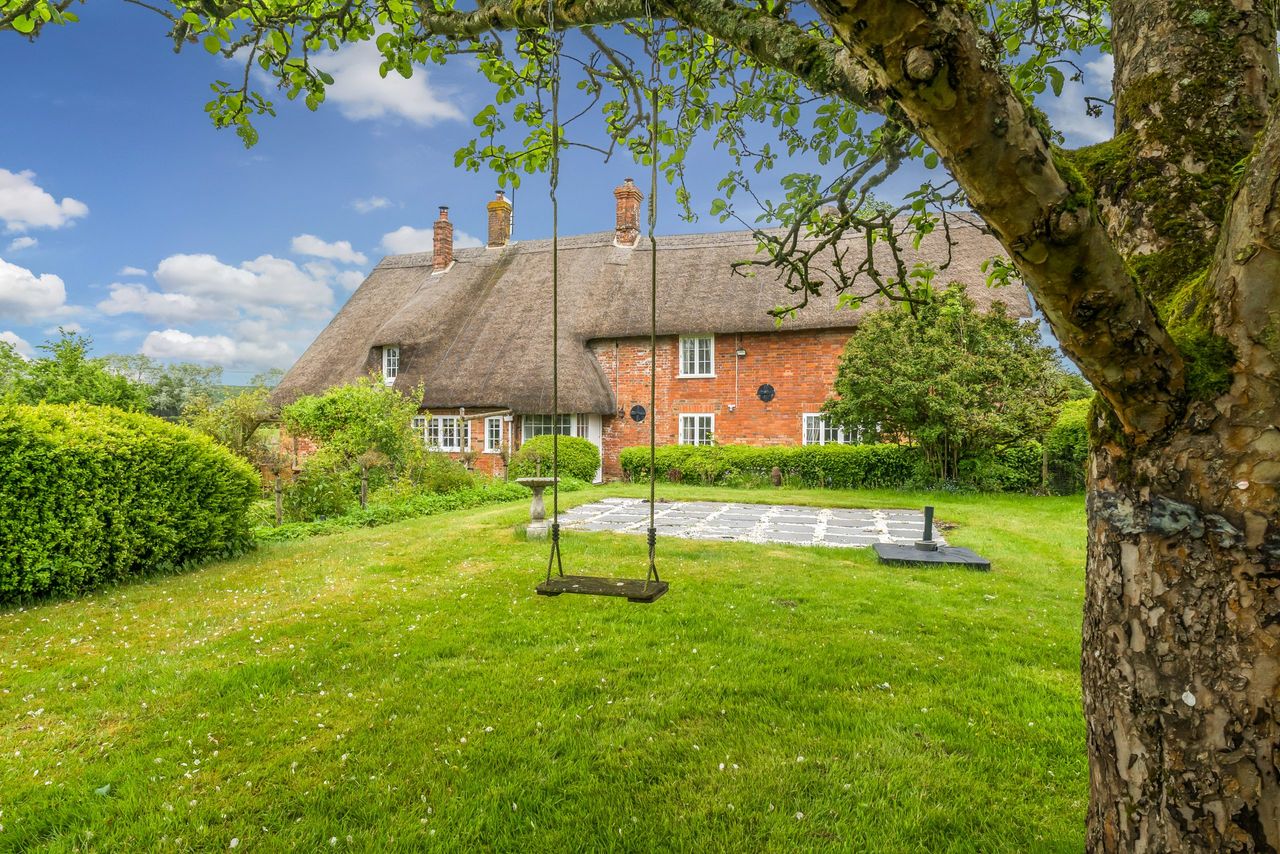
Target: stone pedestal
point(538, 525)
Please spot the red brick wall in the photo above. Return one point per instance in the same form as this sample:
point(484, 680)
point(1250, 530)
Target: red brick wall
point(801, 367)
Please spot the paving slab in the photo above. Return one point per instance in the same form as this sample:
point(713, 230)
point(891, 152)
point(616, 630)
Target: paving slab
point(841, 527)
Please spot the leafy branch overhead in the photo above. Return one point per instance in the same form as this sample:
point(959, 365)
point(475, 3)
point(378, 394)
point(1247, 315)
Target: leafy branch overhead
point(767, 84)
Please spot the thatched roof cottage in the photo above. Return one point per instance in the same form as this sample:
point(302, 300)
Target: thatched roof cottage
point(474, 327)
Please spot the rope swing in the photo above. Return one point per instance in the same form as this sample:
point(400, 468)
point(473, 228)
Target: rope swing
point(652, 586)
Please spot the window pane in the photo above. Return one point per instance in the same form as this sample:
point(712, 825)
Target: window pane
point(493, 434)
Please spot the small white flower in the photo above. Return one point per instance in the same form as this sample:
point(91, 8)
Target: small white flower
point(799, 816)
point(1188, 698)
point(235, 842)
point(799, 758)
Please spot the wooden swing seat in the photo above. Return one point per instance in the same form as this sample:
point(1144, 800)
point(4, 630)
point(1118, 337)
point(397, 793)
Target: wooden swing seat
point(634, 589)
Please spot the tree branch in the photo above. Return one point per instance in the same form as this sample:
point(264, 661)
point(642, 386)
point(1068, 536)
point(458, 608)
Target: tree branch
point(1244, 278)
point(932, 57)
point(824, 65)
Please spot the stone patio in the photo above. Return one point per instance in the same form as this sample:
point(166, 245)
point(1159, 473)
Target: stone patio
point(751, 523)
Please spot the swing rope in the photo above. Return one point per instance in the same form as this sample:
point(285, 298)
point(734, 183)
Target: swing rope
point(652, 587)
point(554, 557)
point(653, 301)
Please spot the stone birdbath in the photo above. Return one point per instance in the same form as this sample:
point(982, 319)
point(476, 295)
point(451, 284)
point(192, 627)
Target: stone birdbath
point(538, 526)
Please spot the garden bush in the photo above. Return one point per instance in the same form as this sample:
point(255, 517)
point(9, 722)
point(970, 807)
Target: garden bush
point(434, 471)
point(837, 466)
point(578, 458)
point(92, 494)
point(1016, 468)
point(319, 492)
point(1067, 445)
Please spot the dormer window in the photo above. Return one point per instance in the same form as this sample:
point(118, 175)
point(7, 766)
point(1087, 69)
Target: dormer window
point(697, 356)
point(390, 364)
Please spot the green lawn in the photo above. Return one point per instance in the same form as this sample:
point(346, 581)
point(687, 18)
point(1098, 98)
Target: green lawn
point(401, 688)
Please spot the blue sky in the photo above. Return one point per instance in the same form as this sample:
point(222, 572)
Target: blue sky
point(124, 214)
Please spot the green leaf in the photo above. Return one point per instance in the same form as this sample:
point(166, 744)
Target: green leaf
point(1056, 78)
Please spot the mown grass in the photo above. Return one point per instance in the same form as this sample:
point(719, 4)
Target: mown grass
point(402, 688)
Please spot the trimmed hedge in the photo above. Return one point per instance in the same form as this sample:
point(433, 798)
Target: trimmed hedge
point(1012, 469)
point(578, 458)
point(91, 495)
point(838, 466)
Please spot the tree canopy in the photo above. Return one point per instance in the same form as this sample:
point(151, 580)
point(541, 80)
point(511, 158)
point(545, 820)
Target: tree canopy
point(961, 383)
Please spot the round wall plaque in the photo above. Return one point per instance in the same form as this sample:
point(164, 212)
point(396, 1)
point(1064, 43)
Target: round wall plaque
point(765, 392)
point(637, 413)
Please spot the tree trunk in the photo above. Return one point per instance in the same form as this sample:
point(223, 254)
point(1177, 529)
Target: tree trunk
point(1181, 660)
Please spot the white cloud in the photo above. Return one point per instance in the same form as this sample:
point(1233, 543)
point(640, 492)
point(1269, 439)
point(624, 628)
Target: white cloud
point(361, 93)
point(24, 204)
point(266, 281)
point(245, 352)
point(20, 243)
point(24, 295)
point(350, 279)
point(131, 271)
point(1105, 68)
point(373, 203)
point(339, 250)
point(128, 298)
point(185, 347)
point(72, 327)
point(1067, 112)
point(21, 347)
point(406, 239)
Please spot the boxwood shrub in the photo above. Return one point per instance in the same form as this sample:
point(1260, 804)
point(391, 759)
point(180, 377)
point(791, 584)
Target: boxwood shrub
point(90, 495)
point(578, 458)
point(838, 466)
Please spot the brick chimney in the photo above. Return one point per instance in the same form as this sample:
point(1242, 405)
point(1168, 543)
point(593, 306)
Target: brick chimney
point(442, 242)
point(628, 227)
point(499, 220)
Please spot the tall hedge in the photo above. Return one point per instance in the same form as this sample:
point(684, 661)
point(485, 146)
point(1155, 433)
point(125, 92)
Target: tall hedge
point(1067, 446)
point(91, 494)
point(578, 458)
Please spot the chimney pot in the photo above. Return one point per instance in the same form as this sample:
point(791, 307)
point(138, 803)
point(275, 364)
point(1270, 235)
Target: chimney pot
point(499, 220)
point(628, 196)
point(442, 242)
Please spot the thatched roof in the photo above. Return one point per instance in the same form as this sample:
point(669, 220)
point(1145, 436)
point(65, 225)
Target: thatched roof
point(479, 334)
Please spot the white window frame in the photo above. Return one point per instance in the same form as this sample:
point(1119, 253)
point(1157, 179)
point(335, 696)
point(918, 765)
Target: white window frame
point(824, 431)
point(707, 436)
point(419, 425)
point(568, 426)
point(693, 343)
point(492, 441)
point(390, 364)
point(435, 435)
